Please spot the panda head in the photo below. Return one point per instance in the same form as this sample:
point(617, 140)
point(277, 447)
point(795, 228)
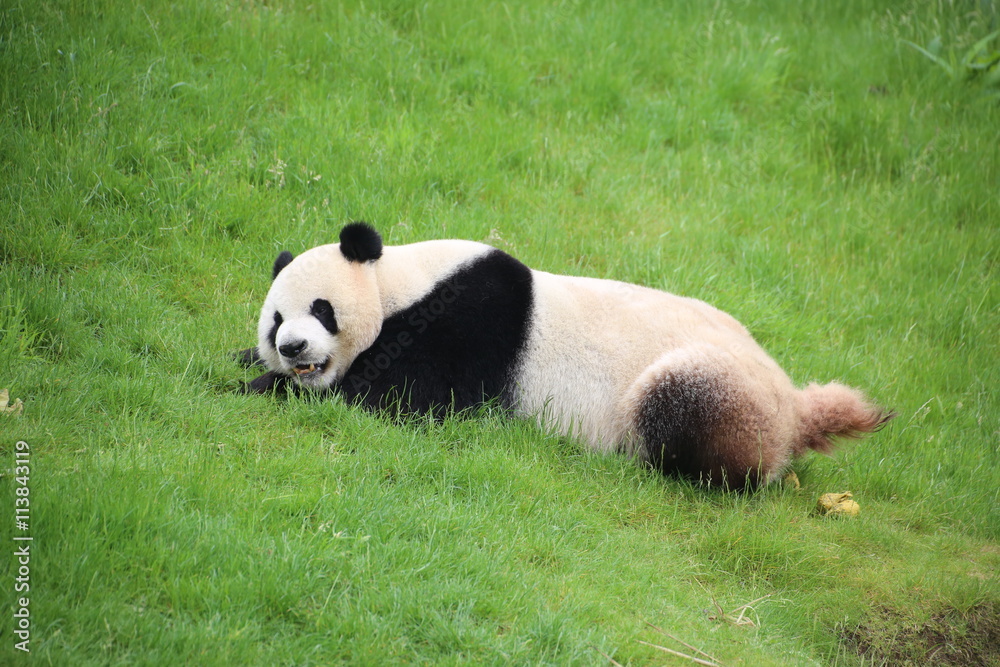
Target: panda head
point(323, 308)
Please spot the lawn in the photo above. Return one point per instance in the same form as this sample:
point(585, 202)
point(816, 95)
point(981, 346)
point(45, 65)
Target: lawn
point(829, 173)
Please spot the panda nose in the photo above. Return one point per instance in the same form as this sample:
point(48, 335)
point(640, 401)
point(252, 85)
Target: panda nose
point(292, 349)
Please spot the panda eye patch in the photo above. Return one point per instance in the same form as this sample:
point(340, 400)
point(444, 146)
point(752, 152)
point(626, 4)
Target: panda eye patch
point(323, 311)
point(272, 335)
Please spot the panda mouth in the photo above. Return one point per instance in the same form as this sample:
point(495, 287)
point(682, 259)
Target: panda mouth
point(306, 370)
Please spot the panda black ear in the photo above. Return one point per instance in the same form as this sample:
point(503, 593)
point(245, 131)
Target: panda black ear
point(284, 259)
point(359, 242)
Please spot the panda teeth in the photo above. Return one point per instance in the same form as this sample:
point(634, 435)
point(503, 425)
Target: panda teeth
point(303, 369)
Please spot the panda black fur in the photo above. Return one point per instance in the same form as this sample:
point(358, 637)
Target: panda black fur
point(451, 324)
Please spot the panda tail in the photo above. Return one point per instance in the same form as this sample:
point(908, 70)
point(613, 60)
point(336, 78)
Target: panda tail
point(835, 411)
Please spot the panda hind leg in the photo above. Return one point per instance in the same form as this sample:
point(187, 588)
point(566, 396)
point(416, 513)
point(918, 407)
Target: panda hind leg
point(697, 415)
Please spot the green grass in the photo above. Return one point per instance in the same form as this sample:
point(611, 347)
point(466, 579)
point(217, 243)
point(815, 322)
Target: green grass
point(799, 165)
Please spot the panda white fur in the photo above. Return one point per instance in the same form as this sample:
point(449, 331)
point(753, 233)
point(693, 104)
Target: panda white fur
point(448, 324)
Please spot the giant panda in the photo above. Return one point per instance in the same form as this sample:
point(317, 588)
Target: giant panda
point(451, 324)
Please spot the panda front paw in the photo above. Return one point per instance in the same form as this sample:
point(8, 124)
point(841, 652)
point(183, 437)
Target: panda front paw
point(248, 358)
point(265, 384)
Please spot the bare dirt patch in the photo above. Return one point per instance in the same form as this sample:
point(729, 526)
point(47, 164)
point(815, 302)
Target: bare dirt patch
point(950, 637)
